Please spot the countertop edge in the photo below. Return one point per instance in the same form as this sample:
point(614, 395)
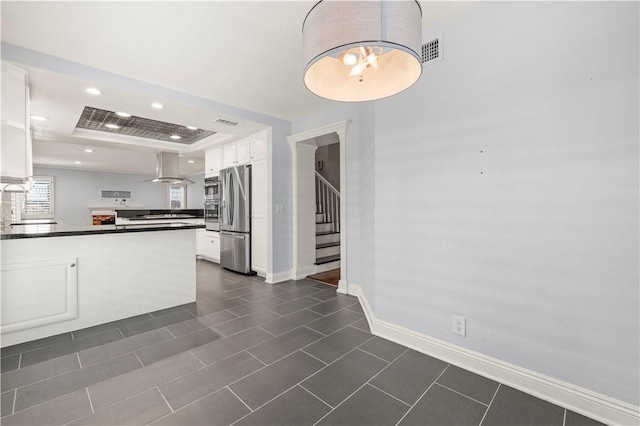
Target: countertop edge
point(104, 229)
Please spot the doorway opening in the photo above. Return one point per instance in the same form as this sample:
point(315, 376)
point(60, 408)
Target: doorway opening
point(319, 216)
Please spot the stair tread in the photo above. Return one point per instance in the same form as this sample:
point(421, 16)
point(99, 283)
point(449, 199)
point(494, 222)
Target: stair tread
point(327, 259)
point(327, 232)
point(325, 245)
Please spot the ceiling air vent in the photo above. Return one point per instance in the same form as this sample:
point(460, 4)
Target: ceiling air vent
point(432, 51)
point(227, 122)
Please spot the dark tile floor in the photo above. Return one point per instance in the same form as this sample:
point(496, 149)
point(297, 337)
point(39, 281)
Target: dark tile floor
point(250, 353)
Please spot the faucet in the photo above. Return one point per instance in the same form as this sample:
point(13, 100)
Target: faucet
point(3, 218)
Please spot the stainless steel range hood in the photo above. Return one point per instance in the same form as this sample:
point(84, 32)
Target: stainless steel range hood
point(168, 169)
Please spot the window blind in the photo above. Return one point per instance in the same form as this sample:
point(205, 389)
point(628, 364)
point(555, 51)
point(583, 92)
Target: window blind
point(37, 203)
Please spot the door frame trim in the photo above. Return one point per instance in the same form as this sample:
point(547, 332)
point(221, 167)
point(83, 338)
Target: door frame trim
point(340, 128)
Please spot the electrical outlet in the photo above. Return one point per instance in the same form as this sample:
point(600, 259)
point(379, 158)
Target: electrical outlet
point(460, 325)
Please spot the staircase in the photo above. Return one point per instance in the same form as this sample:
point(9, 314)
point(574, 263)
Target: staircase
point(327, 225)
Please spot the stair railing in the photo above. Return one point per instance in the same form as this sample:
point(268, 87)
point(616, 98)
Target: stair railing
point(328, 202)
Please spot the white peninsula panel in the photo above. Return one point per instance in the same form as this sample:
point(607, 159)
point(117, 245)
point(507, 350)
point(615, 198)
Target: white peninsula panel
point(118, 276)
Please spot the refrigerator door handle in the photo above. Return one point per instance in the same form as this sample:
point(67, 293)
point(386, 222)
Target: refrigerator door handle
point(237, 237)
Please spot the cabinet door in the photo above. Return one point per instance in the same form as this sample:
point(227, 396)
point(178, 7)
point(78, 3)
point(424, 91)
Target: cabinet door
point(212, 246)
point(15, 148)
point(229, 155)
point(213, 161)
point(259, 188)
point(38, 293)
point(200, 242)
point(259, 244)
point(242, 152)
point(258, 149)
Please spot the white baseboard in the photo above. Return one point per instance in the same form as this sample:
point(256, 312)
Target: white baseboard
point(300, 273)
point(582, 401)
point(343, 287)
point(277, 277)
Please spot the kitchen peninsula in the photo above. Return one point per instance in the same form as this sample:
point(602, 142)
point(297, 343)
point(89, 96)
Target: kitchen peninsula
point(57, 278)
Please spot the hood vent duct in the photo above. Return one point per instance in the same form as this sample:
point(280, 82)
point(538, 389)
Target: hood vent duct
point(168, 169)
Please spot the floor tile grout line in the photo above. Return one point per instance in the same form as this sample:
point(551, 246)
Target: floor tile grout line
point(138, 358)
point(19, 361)
point(388, 394)
point(363, 385)
point(78, 357)
point(564, 417)
point(252, 355)
point(15, 396)
point(241, 400)
point(267, 331)
point(314, 395)
point(423, 394)
point(36, 348)
point(46, 378)
point(169, 331)
point(165, 399)
point(374, 355)
point(89, 397)
point(128, 352)
point(303, 351)
point(461, 394)
point(321, 400)
point(196, 357)
point(490, 402)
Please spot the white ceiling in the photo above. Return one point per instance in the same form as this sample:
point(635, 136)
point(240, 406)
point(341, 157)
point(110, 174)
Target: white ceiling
point(246, 54)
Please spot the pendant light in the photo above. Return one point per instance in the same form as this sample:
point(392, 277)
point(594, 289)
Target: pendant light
point(358, 51)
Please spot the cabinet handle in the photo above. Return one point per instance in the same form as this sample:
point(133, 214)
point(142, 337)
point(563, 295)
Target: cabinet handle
point(72, 265)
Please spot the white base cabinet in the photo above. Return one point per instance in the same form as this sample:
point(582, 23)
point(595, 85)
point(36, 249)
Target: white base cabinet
point(114, 276)
point(208, 245)
point(38, 293)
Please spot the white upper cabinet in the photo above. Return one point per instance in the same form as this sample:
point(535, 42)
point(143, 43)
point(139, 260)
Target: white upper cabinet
point(258, 149)
point(15, 153)
point(229, 155)
point(212, 161)
point(243, 155)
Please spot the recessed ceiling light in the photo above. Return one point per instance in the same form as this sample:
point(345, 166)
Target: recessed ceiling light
point(88, 150)
point(192, 128)
point(38, 118)
point(190, 161)
point(157, 105)
point(94, 91)
point(176, 137)
point(112, 126)
point(123, 114)
point(78, 162)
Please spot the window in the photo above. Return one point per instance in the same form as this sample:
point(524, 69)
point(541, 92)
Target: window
point(177, 197)
point(35, 204)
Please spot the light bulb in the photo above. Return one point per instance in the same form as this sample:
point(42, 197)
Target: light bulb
point(175, 137)
point(123, 114)
point(372, 60)
point(356, 70)
point(112, 126)
point(349, 59)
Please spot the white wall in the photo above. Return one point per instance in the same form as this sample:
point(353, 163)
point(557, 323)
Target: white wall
point(506, 191)
point(195, 192)
point(77, 190)
point(330, 157)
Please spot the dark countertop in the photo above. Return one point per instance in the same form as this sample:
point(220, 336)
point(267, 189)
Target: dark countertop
point(154, 214)
point(46, 230)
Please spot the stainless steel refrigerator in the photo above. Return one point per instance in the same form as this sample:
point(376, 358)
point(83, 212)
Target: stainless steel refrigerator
point(235, 219)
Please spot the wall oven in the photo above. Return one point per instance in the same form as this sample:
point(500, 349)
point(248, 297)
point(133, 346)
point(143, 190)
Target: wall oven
point(211, 189)
point(211, 203)
point(211, 215)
